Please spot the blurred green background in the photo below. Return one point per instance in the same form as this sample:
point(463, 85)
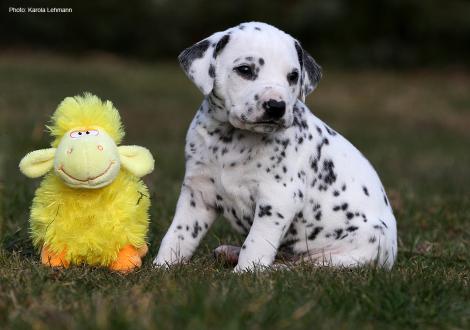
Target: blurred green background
point(396, 84)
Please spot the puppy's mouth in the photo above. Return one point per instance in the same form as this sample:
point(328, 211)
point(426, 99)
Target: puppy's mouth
point(263, 126)
point(267, 122)
point(261, 121)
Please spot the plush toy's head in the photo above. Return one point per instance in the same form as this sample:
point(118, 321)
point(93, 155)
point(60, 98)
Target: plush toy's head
point(85, 152)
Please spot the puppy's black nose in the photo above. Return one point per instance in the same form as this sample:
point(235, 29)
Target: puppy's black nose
point(274, 109)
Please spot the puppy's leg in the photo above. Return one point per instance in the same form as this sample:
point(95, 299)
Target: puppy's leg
point(195, 213)
point(230, 253)
point(272, 220)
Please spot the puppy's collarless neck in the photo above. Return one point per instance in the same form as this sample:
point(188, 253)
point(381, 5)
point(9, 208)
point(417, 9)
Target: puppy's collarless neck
point(208, 119)
point(213, 108)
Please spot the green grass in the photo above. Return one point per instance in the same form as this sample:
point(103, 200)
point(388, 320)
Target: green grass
point(413, 126)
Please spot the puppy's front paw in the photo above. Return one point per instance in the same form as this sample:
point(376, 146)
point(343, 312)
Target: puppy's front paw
point(166, 262)
point(239, 269)
point(160, 264)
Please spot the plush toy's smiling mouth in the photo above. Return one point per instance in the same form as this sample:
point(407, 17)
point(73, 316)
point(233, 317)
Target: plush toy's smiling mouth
point(61, 168)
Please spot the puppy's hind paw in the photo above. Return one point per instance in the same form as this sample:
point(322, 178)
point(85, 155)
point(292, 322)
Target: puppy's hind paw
point(227, 253)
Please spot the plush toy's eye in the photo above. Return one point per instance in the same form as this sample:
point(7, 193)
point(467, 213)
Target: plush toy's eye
point(75, 134)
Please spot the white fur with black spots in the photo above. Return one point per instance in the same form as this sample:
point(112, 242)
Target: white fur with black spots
point(280, 175)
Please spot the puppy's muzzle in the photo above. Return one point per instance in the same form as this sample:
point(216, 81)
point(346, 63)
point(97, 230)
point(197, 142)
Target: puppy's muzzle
point(274, 110)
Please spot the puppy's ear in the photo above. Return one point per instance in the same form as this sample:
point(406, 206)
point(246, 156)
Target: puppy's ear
point(311, 72)
point(198, 61)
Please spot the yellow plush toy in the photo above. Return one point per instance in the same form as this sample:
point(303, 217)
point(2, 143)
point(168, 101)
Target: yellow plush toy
point(91, 207)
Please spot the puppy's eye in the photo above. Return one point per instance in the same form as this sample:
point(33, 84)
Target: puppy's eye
point(245, 71)
point(293, 77)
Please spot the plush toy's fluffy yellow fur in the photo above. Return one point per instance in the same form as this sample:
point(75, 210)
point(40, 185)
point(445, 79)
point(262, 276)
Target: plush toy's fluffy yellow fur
point(105, 225)
point(85, 111)
point(91, 225)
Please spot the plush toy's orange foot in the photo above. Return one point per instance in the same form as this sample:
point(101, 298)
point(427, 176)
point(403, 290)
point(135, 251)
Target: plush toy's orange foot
point(127, 260)
point(143, 250)
point(52, 259)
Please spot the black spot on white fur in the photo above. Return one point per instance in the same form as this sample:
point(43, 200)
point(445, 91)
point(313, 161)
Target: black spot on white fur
point(221, 45)
point(264, 210)
point(192, 53)
point(311, 71)
point(212, 71)
point(366, 191)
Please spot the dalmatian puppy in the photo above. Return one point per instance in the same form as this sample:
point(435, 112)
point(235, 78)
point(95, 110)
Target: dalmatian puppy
point(276, 172)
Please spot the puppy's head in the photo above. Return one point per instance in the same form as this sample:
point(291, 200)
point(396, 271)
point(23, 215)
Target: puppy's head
point(256, 71)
